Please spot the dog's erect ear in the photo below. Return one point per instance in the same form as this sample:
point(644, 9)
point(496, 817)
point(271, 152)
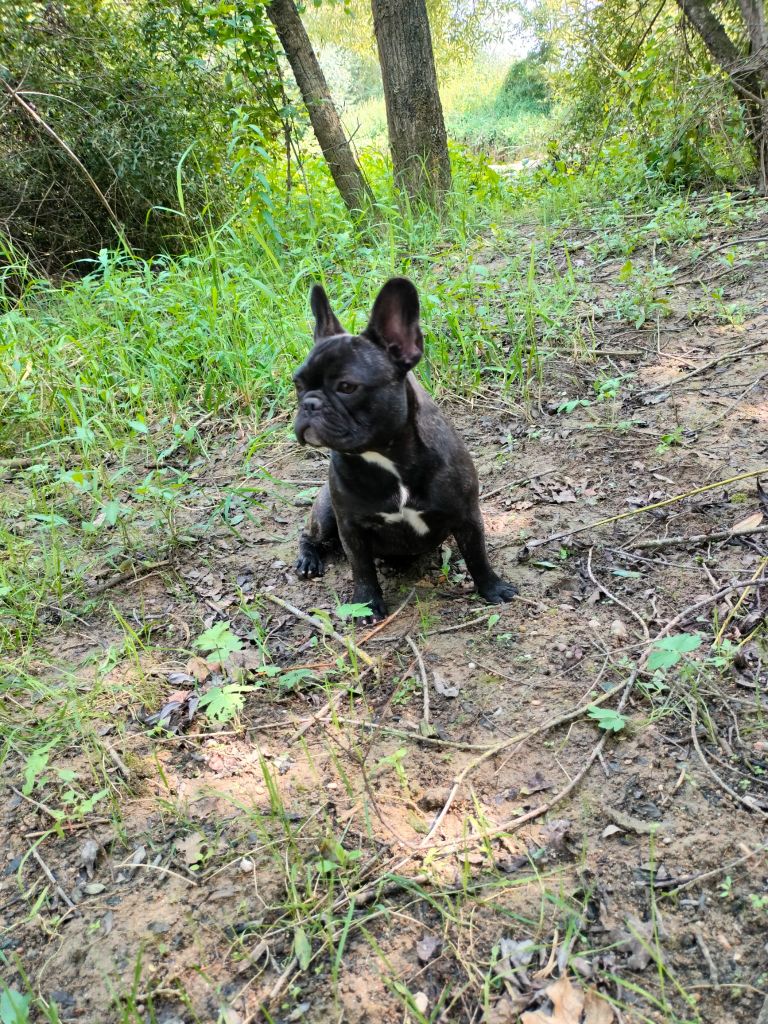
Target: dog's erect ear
point(394, 322)
point(326, 322)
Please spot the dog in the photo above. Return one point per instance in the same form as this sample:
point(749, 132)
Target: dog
point(401, 479)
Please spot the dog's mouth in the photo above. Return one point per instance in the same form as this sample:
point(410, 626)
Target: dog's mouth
point(310, 436)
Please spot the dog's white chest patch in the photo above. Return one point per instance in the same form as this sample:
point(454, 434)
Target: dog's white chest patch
point(410, 516)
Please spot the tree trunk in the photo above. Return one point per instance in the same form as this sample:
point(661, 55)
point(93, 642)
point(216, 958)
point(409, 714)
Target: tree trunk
point(414, 115)
point(748, 73)
point(317, 99)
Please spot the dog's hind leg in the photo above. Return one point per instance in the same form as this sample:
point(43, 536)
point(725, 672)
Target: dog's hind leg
point(319, 535)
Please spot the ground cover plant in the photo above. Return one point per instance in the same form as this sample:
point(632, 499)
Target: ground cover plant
point(224, 797)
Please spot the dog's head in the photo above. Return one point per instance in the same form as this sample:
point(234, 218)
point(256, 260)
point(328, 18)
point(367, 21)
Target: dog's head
point(351, 388)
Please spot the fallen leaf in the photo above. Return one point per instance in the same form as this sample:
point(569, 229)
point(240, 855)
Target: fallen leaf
point(443, 687)
point(506, 1011)
point(747, 525)
point(535, 784)
point(427, 948)
point(635, 938)
point(191, 848)
point(567, 1003)
point(597, 1010)
point(199, 668)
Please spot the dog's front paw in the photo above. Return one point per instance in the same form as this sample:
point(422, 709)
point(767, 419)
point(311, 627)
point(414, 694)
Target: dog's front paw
point(309, 563)
point(375, 602)
point(497, 591)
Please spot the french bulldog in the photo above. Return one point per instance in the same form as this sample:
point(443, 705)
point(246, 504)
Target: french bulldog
point(401, 479)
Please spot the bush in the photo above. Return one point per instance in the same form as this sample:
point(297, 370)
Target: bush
point(131, 97)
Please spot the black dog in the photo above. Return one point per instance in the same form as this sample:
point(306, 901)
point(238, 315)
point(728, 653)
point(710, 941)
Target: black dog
point(401, 479)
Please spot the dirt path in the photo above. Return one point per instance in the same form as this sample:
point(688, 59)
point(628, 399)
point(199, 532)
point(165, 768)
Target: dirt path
point(314, 854)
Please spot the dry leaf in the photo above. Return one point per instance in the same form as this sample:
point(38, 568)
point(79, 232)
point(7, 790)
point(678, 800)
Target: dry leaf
point(747, 525)
point(597, 1010)
point(506, 1011)
point(199, 668)
point(191, 848)
point(567, 1004)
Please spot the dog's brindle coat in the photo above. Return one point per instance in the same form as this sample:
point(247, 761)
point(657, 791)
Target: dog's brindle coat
point(401, 479)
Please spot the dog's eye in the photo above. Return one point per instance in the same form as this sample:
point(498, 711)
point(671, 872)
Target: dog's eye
point(346, 387)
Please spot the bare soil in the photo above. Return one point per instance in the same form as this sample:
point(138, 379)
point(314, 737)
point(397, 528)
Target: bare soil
point(219, 843)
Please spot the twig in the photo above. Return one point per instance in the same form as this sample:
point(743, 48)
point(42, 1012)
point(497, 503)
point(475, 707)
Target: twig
point(703, 949)
point(646, 508)
point(612, 597)
point(49, 875)
point(517, 483)
point(13, 464)
point(120, 764)
point(130, 575)
point(660, 543)
point(33, 115)
point(701, 369)
point(323, 627)
point(424, 678)
point(467, 624)
point(740, 602)
point(723, 869)
point(36, 803)
point(747, 802)
point(330, 707)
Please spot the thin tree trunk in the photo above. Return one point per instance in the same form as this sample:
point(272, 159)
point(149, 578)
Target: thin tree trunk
point(317, 99)
point(414, 114)
point(748, 73)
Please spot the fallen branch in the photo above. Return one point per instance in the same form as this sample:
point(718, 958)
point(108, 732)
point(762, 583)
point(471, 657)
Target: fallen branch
point(323, 627)
point(612, 597)
point(727, 357)
point(661, 543)
point(531, 544)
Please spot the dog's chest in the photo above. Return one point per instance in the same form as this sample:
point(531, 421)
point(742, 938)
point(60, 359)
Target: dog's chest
point(402, 512)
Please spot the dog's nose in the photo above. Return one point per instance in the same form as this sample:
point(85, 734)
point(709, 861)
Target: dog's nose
point(311, 403)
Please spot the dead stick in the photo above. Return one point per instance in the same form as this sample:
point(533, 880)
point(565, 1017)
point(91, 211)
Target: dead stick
point(516, 483)
point(34, 116)
point(323, 627)
point(129, 576)
point(612, 597)
point(723, 869)
point(660, 543)
point(49, 875)
point(424, 678)
point(646, 508)
point(705, 366)
point(746, 801)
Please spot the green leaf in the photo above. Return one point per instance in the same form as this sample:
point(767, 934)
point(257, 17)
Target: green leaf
point(219, 640)
point(138, 426)
point(37, 762)
point(49, 520)
point(627, 574)
point(222, 703)
point(302, 948)
point(668, 651)
point(14, 1007)
point(607, 718)
point(111, 512)
point(290, 680)
point(353, 611)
